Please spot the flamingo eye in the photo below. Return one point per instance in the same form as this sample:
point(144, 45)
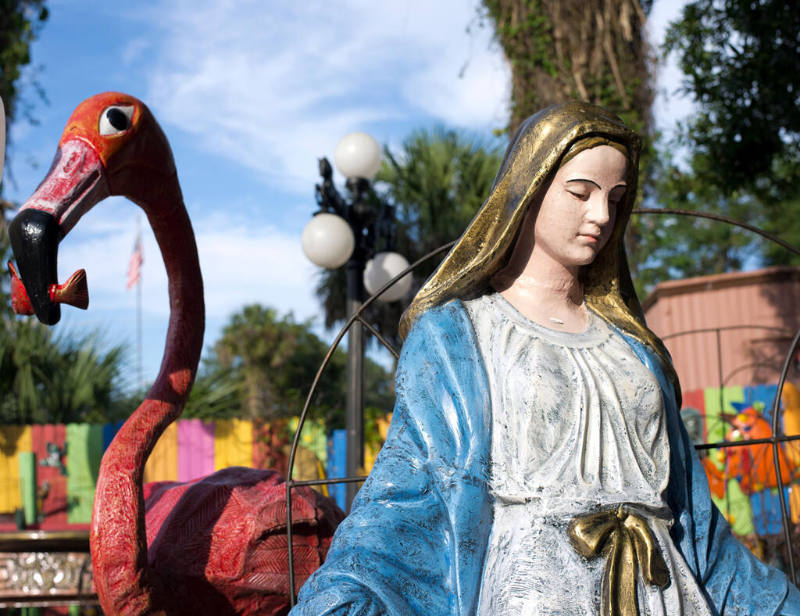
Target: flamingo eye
point(116, 119)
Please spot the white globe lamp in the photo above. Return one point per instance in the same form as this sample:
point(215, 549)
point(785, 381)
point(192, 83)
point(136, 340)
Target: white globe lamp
point(381, 269)
point(358, 156)
point(328, 240)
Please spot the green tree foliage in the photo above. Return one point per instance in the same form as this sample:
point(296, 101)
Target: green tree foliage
point(20, 21)
point(668, 247)
point(737, 155)
point(436, 182)
point(263, 366)
point(740, 61)
point(217, 393)
point(740, 64)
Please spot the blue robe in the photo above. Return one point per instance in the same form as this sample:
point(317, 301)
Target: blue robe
point(416, 540)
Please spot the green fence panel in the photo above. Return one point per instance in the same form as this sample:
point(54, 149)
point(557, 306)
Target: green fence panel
point(84, 452)
point(27, 485)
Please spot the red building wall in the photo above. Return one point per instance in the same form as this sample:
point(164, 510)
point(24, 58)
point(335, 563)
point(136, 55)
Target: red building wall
point(753, 315)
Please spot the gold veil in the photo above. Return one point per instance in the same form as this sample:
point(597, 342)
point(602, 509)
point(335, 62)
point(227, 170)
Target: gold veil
point(533, 156)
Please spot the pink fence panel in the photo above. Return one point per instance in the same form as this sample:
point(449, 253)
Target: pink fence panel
point(195, 449)
point(50, 445)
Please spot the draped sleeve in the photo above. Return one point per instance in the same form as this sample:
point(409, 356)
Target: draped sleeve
point(734, 580)
point(415, 540)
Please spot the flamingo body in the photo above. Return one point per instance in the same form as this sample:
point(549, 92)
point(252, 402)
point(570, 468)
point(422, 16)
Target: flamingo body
point(212, 546)
point(231, 529)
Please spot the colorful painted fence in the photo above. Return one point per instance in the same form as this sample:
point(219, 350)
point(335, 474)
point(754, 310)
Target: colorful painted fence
point(67, 460)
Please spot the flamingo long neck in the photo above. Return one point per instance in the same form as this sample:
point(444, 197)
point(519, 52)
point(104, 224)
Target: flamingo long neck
point(119, 539)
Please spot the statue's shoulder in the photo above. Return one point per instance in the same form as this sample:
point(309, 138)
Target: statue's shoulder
point(446, 320)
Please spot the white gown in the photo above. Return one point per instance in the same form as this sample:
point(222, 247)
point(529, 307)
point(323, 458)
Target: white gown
point(578, 426)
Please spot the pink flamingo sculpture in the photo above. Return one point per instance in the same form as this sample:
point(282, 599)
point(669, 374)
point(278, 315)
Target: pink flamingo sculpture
point(212, 546)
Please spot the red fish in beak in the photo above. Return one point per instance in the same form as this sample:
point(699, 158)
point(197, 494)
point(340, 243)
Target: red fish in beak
point(74, 292)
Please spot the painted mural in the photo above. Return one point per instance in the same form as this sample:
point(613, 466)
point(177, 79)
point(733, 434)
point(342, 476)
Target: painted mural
point(66, 461)
point(743, 479)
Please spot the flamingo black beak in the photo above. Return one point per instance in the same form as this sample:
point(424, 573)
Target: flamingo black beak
point(75, 182)
point(34, 240)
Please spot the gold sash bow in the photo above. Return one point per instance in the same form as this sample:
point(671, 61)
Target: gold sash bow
point(629, 547)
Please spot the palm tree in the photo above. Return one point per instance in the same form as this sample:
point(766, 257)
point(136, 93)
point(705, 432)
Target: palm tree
point(58, 379)
point(263, 365)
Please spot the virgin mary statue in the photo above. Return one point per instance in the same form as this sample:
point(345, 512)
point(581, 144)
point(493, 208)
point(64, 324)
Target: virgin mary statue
point(536, 463)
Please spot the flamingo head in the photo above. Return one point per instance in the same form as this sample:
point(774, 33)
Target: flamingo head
point(111, 145)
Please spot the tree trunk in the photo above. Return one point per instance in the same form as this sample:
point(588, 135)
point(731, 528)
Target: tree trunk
point(592, 50)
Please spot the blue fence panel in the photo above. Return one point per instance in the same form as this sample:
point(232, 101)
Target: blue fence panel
point(767, 512)
point(337, 465)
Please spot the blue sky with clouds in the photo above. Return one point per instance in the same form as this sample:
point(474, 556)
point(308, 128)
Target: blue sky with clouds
point(250, 93)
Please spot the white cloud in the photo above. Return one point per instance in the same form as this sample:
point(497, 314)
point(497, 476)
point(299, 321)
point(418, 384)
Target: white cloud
point(241, 263)
point(248, 264)
point(269, 86)
point(135, 49)
point(273, 86)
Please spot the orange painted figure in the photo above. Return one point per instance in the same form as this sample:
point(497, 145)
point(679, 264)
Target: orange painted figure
point(716, 479)
point(754, 465)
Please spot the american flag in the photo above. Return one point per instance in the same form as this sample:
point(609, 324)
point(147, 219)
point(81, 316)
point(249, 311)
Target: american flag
point(135, 265)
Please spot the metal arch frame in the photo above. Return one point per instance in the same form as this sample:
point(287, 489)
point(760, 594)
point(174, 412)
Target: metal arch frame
point(357, 316)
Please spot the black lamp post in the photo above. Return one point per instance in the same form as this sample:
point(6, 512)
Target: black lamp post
point(345, 233)
point(2, 137)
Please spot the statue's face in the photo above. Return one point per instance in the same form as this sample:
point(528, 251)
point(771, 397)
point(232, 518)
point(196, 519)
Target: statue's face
point(577, 213)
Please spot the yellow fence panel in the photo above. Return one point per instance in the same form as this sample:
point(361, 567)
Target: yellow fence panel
point(233, 443)
point(162, 465)
point(13, 440)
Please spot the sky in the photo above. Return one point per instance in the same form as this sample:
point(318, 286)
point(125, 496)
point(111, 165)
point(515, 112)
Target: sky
point(250, 94)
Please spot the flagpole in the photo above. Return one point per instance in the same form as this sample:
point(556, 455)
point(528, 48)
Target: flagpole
point(139, 308)
point(135, 279)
